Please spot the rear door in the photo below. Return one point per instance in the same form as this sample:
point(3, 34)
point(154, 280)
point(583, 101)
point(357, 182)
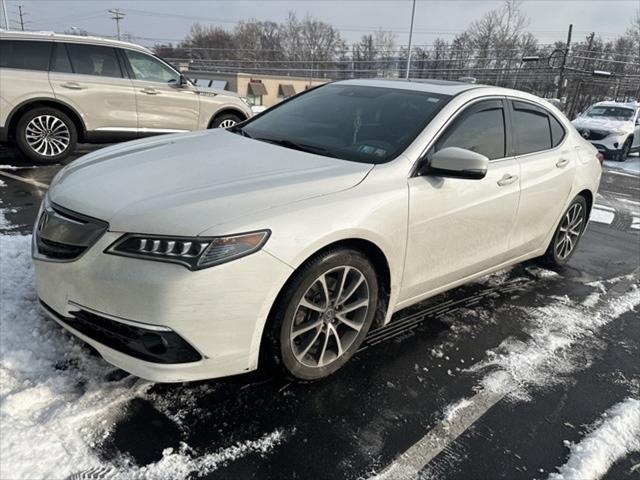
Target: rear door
point(163, 104)
point(547, 166)
point(459, 227)
point(91, 80)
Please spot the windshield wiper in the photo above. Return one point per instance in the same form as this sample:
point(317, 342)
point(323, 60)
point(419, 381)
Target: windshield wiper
point(239, 130)
point(298, 146)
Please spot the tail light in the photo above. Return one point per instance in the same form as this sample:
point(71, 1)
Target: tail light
point(600, 158)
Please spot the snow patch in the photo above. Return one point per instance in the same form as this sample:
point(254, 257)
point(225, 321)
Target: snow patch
point(453, 409)
point(614, 436)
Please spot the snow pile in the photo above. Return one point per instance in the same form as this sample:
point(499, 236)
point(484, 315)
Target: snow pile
point(544, 356)
point(54, 401)
point(184, 462)
point(612, 438)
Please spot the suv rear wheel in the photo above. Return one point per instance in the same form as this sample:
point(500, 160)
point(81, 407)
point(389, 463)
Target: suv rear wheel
point(46, 135)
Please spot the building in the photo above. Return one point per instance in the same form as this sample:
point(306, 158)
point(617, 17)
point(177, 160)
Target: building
point(261, 90)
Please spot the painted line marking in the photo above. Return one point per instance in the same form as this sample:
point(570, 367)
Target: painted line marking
point(409, 464)
point(30, 181)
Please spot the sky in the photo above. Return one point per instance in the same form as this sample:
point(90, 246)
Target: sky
point(161, 21)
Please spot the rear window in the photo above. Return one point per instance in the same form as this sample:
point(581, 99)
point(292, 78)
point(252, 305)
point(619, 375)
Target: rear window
point(94, 60)
point(25, 54)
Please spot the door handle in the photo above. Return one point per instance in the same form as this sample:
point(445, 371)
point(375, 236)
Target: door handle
point(507, 179)
point(72, 85)
point(563, 162)
point(149, 91)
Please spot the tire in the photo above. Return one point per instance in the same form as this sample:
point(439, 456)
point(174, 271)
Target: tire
point(557, 254)
point(304, 352)
point(225, 120)
point(622, 155)
point(57, 131)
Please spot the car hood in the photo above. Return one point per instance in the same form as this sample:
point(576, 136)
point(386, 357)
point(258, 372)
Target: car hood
point(606, 125)
point(184, 184)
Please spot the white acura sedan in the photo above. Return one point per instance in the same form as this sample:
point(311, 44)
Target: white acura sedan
point(283, 240)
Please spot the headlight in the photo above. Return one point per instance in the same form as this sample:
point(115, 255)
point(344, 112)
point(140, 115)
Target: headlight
point(192, 252)
point(618, 133)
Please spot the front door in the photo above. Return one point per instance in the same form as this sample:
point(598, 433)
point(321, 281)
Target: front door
point(163, 104)
point(460, 227)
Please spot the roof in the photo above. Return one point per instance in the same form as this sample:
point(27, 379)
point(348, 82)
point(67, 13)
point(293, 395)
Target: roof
point(71, 38)
point(444, 87)
point(611, 103)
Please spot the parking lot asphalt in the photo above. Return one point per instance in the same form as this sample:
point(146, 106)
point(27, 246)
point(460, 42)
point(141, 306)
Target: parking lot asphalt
point(495, 379)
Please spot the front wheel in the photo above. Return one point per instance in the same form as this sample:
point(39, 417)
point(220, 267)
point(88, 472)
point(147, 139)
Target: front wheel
point(225, 120)
point(624, 152)
point(323, 314)
point(568, 234)
point(46, 135)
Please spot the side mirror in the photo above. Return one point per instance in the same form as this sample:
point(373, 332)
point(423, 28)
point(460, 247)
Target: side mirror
point(457, 162)
point(183, 82)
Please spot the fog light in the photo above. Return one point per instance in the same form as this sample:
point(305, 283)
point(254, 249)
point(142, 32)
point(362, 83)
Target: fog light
point(154, 343)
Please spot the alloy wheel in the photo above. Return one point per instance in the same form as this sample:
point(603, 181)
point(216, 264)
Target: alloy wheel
point(227, 123)
point(569, 232)
point(47, 135)
point(329, 316)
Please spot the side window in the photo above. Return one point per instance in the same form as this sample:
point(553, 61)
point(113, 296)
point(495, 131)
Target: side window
point(480, 130)
point(531, 128)
point(60, 60)
point(24, 54)
point(94, 60)
point(145, 67)
point(557, 131)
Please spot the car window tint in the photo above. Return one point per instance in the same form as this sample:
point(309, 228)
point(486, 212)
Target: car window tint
point(60, 61)
point(482, 132)
point(531, 127)
point(352, 122)
point(94, 60)
point(145, 67)
point(557, 131)
point(27, 55)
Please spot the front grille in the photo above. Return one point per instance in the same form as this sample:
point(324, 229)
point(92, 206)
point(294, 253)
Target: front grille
point(157, 346)
point(593, 134)
point(61, 235)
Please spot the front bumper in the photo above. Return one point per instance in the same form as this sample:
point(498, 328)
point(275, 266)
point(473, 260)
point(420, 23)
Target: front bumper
point(219, 312)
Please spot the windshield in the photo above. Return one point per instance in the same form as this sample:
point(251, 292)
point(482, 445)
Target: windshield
point(618, 113)
point(351, 122)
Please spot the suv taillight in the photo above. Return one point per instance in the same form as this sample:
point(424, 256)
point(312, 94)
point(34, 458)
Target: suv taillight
point(600, 158)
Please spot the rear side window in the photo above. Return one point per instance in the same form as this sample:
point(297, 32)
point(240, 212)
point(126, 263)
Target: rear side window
point(25, 54)
point(481, 130)
point(94, 60)
point(531, 127)
point(557, 131)
point(60, 60)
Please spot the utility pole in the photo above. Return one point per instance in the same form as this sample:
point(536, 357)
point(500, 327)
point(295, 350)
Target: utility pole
point(21, 17)
point(564, 63)
point(413, 12)
point(6, 17)
point(117, 15)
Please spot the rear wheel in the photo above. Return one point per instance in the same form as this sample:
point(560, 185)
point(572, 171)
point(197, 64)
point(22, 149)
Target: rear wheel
point(46, 135)
point(323, 314)
point(565, 239)
point(225, 120)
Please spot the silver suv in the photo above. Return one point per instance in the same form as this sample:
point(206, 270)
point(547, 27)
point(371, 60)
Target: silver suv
point(57, 90)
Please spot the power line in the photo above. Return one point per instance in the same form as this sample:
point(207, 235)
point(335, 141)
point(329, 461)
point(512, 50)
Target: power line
point(117, 15)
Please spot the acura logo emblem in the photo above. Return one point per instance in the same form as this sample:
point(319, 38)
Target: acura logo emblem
point(586, 133)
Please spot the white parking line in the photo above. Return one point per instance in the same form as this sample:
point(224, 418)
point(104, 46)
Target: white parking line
point(411, 462)
point(30, 181)
point(602, 214)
